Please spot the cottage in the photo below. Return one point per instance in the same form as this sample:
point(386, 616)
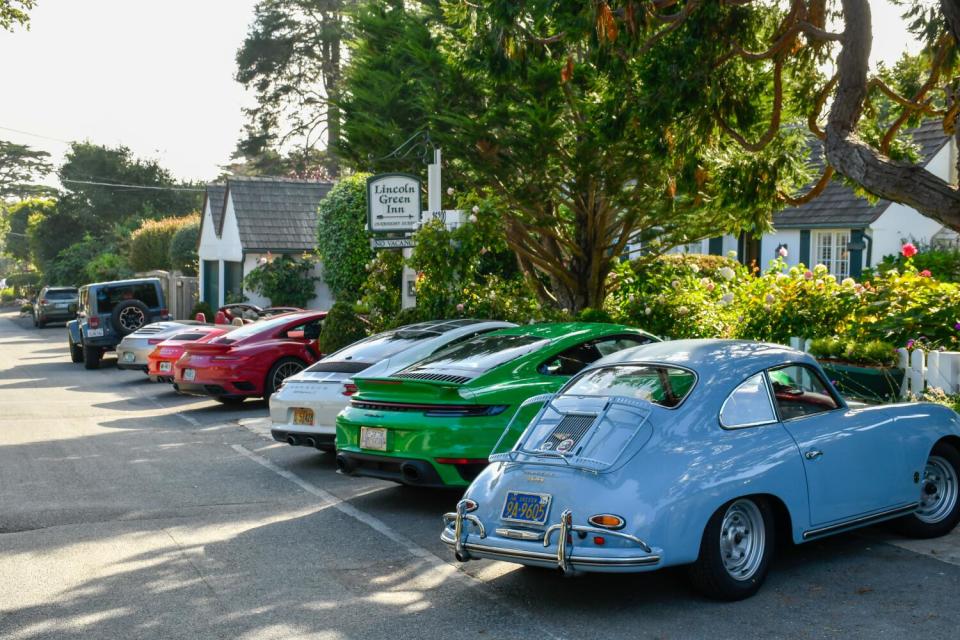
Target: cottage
point(843, 230)
point(248, 219)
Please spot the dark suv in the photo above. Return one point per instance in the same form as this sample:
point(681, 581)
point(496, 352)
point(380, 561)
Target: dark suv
point(54, 304)
point(108, 311)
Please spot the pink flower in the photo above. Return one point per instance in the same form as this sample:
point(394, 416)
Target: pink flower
point(910, 344)
point(460, 307)
point(908, 250)
point(925, 273)
point(782, 252)
point(808, 275)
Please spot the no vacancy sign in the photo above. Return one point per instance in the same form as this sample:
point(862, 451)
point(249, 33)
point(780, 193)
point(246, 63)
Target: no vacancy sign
point(393, 202)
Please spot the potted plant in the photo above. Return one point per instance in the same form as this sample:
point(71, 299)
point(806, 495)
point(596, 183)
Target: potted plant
point(866, 370)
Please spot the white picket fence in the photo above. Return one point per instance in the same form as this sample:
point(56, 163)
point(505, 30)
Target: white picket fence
point(939, 369)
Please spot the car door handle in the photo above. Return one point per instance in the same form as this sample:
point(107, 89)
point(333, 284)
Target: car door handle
point(813, 454)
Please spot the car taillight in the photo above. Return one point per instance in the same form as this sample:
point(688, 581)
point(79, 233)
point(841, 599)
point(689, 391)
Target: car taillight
point(94, 322)
point(226, 358)
point(607, 521)
point(43, 301)
point(349, 388)
point(164, 312)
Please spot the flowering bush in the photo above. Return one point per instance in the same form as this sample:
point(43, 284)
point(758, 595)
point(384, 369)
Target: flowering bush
point(785, 302)
point(380, 293)
point(285, 281)
point(677, 296)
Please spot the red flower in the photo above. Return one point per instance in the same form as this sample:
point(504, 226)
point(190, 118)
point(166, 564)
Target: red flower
point(925, 273)
point(908, 250)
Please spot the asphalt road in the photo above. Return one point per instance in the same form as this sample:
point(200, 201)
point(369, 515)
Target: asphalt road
point(129, 512)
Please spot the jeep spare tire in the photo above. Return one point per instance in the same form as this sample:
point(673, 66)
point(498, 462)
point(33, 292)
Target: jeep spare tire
point(128, 316)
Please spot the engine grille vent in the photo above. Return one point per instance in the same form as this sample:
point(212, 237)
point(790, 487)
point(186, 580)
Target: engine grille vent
point(434, 377)
point(568, 433)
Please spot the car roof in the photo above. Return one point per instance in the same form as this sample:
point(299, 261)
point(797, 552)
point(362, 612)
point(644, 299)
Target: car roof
point(557, 331)
point(720, 362)
point(111, 283)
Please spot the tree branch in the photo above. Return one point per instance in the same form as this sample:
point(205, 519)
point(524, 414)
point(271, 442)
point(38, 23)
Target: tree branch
point(815, 191)
point(774, 125)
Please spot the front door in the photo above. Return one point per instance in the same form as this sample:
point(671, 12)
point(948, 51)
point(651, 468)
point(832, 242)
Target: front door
point(850, 465)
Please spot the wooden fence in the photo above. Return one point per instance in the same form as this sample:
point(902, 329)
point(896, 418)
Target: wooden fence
point(940, 369)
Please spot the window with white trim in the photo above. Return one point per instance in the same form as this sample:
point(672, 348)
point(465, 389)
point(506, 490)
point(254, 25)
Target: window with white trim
point(830, 250)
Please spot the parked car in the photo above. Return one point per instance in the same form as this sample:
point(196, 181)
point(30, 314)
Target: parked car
point(109, 311)
point(247, 311)
point(705, 453)
point(304, 410)
point(134, 349)
point(435, 422)
point(251, 361)
point(54, 304)
point(166, 352)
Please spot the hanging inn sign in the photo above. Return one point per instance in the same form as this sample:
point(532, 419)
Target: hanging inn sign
point(393, 203)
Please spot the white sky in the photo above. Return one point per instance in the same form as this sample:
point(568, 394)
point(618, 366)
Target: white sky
point(158, 77)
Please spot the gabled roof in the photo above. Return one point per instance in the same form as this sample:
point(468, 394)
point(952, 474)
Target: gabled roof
point(839, 205)
point(276, 214)
point(215, 197)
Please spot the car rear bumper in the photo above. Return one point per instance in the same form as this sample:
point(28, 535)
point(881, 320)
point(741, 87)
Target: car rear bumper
point(300, 438)
point(127, 366)
point(408, 471)
point(214, 389)
point(56, 316)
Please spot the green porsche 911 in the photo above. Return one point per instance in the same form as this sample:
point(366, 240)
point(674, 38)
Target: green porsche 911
point(434, 423)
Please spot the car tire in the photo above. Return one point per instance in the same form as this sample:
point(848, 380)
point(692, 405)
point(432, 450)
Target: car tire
point(41, 324)
point(91, 357)
point(735, 550)
point(939, 510)
point(35, 323)
point(76, 351)
point(128, 316)
point(280, 371)
point(230, 400)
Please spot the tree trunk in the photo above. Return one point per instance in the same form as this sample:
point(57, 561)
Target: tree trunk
point(908, 184)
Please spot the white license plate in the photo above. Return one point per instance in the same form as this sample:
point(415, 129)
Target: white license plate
point(94, 333)
point(166, 366)
point(129, 356)
point(189, 374)
point(373, 438)
point(61, 305)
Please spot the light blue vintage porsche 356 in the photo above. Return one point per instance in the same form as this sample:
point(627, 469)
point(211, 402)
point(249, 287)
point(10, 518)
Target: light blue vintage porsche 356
point(704, 452)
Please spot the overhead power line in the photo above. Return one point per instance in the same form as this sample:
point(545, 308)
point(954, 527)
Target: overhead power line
point(34, 135)
point(131, 186)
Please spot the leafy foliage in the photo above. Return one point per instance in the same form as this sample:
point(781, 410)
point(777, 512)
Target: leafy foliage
point(202, 307)
point(874, 352)
point(342, 240)
point(108, 266)
point(14, 12)
point(17, 216)
point(20, 166)
point(25, 284)
point(183, 248)
point(341, 327)
point(381, 291)
point(150, 244)
point(285, 281)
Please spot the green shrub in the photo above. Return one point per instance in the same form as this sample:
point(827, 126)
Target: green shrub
point(204, 308)
point(183, 248)
point(26, 308)
point(342, 240)
point(285, 281)
point(25, 284)
point(342, 326)
point(150, 244)
point(106, 267)
point(594, 315)
point(410, 315)
point(677, 296)
point(943, 264)
point(830, 347)
point(381, 291)
point(7, 295)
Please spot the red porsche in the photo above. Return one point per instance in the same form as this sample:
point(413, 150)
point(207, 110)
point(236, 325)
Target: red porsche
point(160, 361)
point(251, 361)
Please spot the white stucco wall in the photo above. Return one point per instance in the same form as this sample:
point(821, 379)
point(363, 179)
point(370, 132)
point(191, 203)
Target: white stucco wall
point(900, 224)
point(322, 296)
point(225, 247)
point(770, 242)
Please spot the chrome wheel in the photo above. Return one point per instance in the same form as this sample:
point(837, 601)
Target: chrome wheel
point(742, 540)
point(132, 318)
point(284, 371)
point(938, 493)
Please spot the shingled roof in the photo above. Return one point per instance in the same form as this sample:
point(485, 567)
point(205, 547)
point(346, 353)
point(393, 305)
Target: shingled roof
point(840, 206)
point(276, 214)
point(215, 197)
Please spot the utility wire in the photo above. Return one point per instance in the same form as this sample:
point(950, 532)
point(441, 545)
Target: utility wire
point(35, 135)
point(131, 186)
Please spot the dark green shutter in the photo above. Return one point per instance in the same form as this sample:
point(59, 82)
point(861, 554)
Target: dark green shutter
point(856, 255)
point(805, 247)
point(716, 246)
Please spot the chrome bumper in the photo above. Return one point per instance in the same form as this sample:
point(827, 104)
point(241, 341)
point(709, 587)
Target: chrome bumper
point(563, 556)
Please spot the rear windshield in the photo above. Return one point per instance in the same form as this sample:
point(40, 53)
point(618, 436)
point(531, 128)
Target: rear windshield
point(482, 353)
point(61, 294)
point(189, 336)
point(253, 329)
point(375, 348)
point(666, 386)
point(110, 297)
